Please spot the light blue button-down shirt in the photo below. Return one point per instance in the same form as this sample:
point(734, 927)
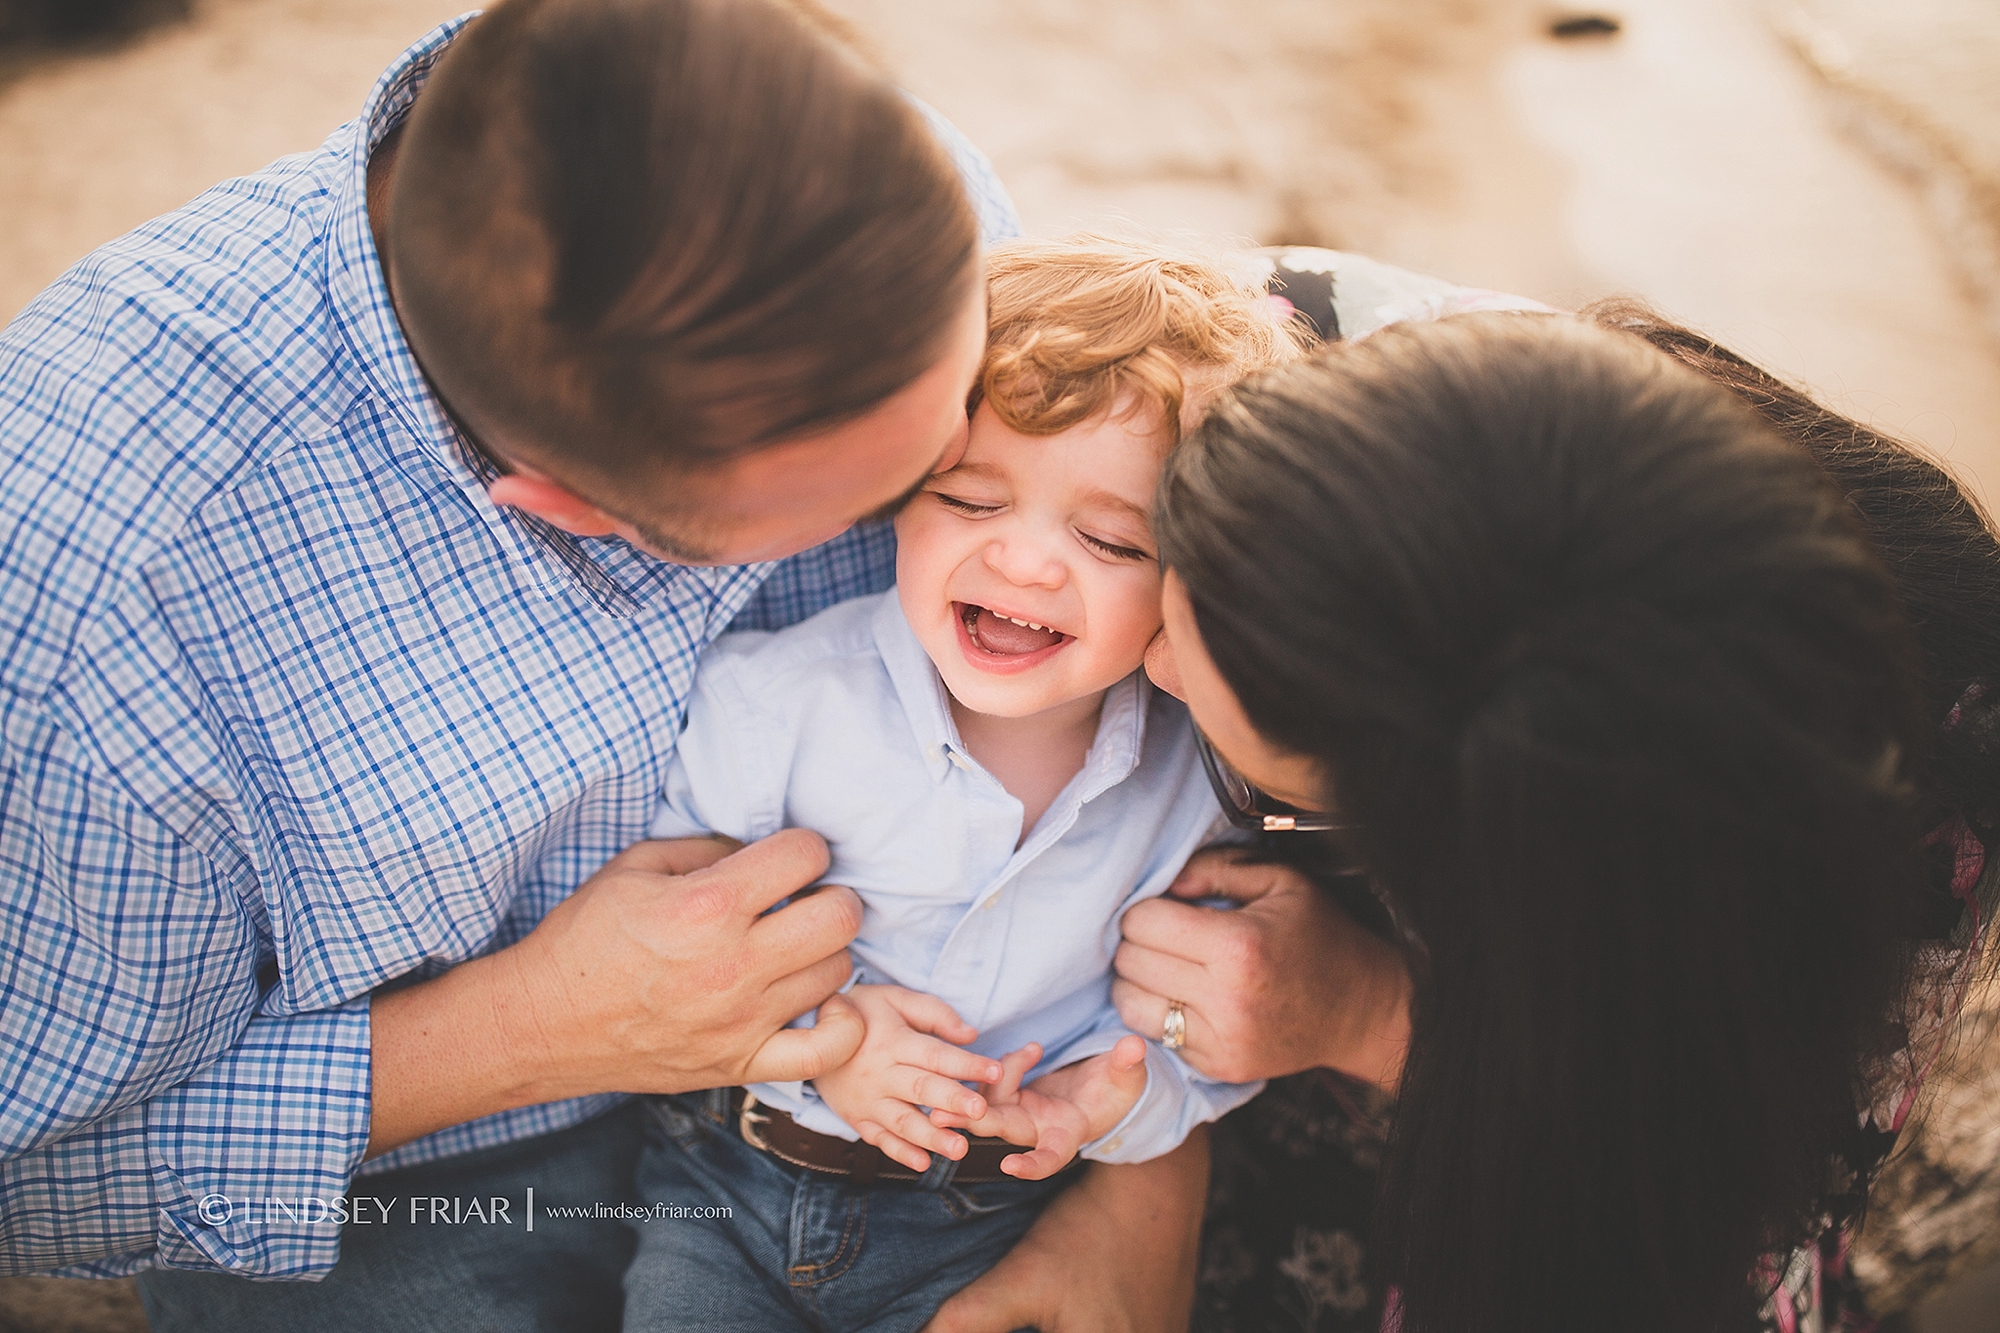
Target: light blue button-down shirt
point(288, 710)
point(841, 725)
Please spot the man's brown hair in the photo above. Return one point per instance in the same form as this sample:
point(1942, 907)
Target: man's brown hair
point(1088, 325)
point(656, 233)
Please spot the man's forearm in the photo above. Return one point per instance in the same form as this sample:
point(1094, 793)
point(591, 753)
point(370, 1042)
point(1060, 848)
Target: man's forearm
point(455, 1048)
point(663, 972)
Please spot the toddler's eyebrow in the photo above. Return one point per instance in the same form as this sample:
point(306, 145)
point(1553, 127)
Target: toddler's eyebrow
point(1105, 499)
point(985, 471)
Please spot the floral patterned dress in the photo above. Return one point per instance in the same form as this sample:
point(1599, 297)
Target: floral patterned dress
point(1285, 1244)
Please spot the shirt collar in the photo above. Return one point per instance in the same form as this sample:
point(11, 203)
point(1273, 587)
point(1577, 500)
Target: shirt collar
point(1121, 723)
point(615, 577)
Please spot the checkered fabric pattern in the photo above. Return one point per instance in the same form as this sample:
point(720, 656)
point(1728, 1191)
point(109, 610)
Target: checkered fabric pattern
point(287, 710)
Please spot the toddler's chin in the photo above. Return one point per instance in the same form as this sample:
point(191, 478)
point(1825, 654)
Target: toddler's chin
point(991, 700)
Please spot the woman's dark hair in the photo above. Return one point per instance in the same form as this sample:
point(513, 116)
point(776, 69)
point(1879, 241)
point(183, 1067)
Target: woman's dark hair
point(1625, 708)
point(1932, 536)
point(660, 232)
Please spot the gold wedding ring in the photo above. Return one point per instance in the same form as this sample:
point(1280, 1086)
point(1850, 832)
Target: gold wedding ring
point(1173, 1033)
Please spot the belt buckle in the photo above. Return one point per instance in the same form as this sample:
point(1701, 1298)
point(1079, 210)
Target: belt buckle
point(750, 1122)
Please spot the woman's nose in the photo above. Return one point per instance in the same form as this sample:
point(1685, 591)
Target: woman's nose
point(1026, 563)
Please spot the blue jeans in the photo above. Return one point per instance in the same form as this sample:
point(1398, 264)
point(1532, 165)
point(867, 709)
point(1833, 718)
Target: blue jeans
point(414, 1271)
point(738, 1240)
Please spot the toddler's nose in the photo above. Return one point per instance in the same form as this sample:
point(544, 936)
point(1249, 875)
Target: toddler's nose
point(1025, 563)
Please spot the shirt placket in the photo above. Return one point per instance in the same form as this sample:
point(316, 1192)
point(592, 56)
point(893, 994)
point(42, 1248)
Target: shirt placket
point(969, 963)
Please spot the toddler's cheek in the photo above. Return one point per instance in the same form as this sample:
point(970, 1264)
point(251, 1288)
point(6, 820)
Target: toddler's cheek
point(1134, 633)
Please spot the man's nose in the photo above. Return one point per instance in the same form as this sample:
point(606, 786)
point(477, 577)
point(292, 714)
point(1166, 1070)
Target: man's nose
point(1026, 562)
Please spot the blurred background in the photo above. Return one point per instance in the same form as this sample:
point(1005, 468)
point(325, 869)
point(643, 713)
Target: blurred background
point(1815, 183)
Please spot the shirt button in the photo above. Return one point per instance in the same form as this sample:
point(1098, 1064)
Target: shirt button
point(991, 902)
point(957, 759)
point(1113, 1145)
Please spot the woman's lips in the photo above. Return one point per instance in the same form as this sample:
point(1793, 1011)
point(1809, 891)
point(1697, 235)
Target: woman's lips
point(995, 643)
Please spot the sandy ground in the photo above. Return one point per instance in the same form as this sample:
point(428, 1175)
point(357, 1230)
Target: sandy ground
point(1690, 159)
point(1693, 158)
point(1769, 174)
point(1919, 81)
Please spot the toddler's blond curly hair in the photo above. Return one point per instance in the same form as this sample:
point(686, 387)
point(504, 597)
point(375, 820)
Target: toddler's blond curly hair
point(1092, 324)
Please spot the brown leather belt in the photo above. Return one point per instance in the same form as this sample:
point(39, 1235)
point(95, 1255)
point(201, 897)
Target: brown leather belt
point(772, 1131)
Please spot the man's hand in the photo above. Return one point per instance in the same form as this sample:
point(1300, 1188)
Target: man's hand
point(1060, 1111)
point(1114, 1253)
point(1286, 982)
point(902, 1066)
point(660, 974)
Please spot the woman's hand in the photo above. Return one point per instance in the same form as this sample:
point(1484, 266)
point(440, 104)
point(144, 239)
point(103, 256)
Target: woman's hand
point(1285, 982)
point(1113, 1253)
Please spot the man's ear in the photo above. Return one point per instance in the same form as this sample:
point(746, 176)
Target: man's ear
point(552, 503)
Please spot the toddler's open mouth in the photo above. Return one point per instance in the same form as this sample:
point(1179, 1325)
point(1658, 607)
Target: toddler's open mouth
point(994, 638)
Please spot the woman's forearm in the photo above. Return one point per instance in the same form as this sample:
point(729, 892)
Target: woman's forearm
point(1368, 1028)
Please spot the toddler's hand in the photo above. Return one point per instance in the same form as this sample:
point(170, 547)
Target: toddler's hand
point(900, 1069)
point(1060, 1111)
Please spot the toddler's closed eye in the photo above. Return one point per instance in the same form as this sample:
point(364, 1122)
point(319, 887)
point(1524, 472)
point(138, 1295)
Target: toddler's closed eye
point(1114, 549)
point(965, 506)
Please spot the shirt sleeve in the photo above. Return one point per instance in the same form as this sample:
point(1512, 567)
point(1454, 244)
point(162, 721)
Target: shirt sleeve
point(998, 220)
point(154, 1094)
point(1176, 1098)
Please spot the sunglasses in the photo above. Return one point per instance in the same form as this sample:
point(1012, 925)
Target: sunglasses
point(1249, 808)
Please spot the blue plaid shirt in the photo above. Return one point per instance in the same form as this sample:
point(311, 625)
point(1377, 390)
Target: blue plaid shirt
point(288, 710)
